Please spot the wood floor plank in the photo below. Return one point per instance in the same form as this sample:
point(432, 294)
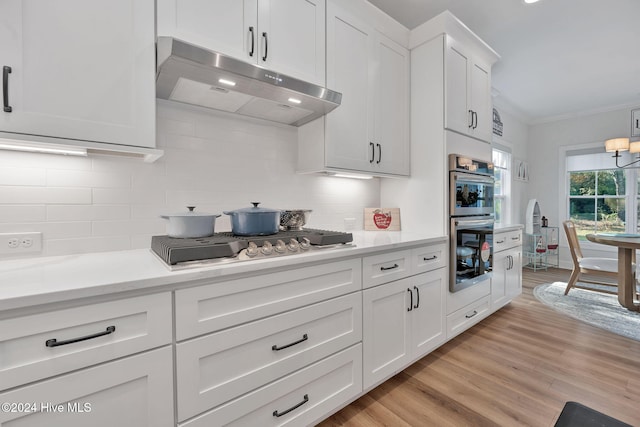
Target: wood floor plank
point(516, 368)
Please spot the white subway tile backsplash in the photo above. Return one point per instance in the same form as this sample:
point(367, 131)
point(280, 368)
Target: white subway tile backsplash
point(22, 176)
point(65, 178)
point(55, 247)
point(26, 213)
point(12, 195)
point(110, 196)
point(87, 212)
point(214, 161)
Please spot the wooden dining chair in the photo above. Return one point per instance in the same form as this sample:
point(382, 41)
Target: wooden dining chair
point(592, 266)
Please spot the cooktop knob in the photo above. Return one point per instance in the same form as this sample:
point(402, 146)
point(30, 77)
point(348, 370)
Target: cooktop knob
point(293, 245)
point(280, 247)
point(252, 250)
point(267, 248)
point(305, 243)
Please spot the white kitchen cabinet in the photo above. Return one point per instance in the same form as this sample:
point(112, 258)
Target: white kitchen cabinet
point(402, 321)
point(219, 367)
point(213, 307)
point(506, 282)
point(133, 391)
point(287, 36)
point(45, 344)
point(369, 131)
point(386, 267)
point(79, 71)
point(302, 398)
point(468, 105)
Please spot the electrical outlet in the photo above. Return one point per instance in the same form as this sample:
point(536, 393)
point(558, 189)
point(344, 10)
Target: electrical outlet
point(20, 243)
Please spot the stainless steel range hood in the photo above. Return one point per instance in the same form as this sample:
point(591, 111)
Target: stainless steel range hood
point(194, 75)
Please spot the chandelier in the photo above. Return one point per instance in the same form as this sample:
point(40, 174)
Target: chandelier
point(618, 145)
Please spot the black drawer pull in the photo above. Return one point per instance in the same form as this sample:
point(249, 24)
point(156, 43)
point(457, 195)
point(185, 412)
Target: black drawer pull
point(431, 258)
point(389, 268)
point(55, 343)
point(469, 316)
point(276, 348)
point(411, 301)
point(6, 70)
point(500, 242)
point(305, 399)
point(417, 297)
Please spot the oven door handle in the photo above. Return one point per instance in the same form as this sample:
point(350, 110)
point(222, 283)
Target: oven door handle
point(474, 222)
point(469, 177)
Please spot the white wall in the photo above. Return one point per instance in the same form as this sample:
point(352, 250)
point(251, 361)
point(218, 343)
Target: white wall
point(212, 160)
point(545, 142)
point(515, 134)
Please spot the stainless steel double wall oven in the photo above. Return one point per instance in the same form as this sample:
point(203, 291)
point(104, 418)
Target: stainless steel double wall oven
point(471, 215)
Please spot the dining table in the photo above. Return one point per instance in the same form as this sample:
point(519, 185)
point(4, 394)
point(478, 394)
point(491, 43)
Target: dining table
point(627, 245)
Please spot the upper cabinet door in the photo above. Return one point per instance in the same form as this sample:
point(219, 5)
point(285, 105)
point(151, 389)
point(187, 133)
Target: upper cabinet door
point(291, 38)
point(225, 26)
point(349, 140)
point(391, 126)
point(79, 70)
point(468, 107)
point(287, 36)
point(480, 101)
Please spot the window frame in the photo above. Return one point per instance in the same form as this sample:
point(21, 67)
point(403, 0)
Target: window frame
point(632, 197)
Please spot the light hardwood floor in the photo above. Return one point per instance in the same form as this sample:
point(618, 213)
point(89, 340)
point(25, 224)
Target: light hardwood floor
point(516, 368)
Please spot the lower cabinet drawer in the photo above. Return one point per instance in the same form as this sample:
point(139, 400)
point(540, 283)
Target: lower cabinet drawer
point(219, 367)
point(299, 399)
point(467, 316)
point(217, 306)
point(461, 299)
point(132, 391)
point(46, 344)
point(507, 239)
point(429, 258)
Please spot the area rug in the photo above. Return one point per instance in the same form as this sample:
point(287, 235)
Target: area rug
point(595, 308)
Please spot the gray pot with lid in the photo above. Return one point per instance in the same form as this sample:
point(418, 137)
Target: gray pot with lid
point(254, 221)
point(189, 225)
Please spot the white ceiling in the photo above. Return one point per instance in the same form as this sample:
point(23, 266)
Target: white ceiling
point(559, 58)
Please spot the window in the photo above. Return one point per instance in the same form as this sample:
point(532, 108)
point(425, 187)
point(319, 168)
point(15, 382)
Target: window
point(599, 196)
point(502, 189)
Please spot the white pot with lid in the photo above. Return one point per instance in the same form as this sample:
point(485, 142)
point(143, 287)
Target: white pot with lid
point(190, 225)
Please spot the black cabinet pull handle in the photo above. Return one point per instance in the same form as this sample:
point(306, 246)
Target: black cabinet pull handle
point(55, 343)
point(253, 41)
point(303, 339)
point(411, 300)
point(373, 152)
point(431, 258)
point(305, 399)
point(417, 297)
point(6, 70)
point(515, 238)
point(470, 119)
point(469, 316)
point(389, 268)
point(475, 119)
point(266, 46)
point(379, 153)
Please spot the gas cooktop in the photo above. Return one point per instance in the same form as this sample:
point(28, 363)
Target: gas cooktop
point(227, 247)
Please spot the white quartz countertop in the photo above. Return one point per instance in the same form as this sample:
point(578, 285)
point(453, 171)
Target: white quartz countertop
point(35, 281)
